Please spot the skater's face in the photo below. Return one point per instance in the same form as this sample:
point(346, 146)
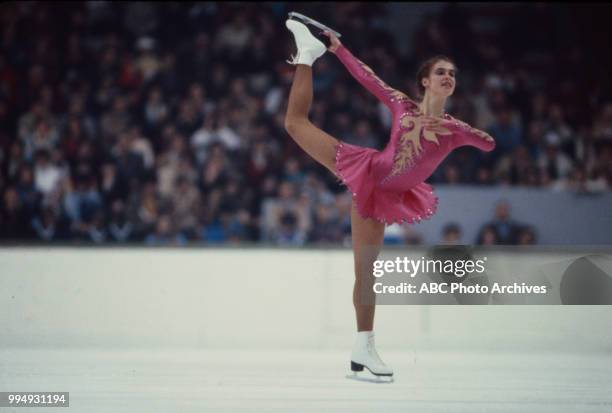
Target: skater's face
point(441, 79)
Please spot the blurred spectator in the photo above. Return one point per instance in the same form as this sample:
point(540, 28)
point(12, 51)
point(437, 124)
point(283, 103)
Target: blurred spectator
point(47, 225)
point(82, 201)
point(146, 66)
point(29, 121)
point(145, 207)
point(116, 120)
point(558, 125)
point(526, 236)
point(92, 229)
point(130, 164)
point(14, 223)
point(119, 228)
point(215, 231)
point(484, 176)
point(315, 189)
point(234, 37)
point(504, 228)
point(28, 194)
point(487, 236)
point(43, 137)
point(186, 207)
point(535, 138)
point(72, 139)
point(556, 164)
point(216, 172)
point(516, 166)
point(326, 226)
point(287, 231)
point(155, 109)
point(602, 127)
point(165, 234)
point(188, 118)
point(47, 176)
point(203, 138)
point(451, 174)
point(240, 227)
point(479, 97)
point(112, 186)
point(362, 135)
point(451, 234)
point(261, 161)
point(293, 173)
point(15, 158)
point(506, 131)
point(141, 146)
point(285, 205)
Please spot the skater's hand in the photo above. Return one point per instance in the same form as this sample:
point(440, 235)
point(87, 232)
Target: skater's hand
point(335, 43)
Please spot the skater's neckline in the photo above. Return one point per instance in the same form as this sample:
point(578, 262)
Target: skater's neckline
point(419, 112)
point(446, 116)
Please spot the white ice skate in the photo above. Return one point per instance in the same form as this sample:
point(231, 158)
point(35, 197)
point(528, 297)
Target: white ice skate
point(313, 22)
point(309, 48)
point(364, 355)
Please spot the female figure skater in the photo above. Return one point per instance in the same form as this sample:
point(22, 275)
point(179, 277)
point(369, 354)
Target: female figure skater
point(387, 186)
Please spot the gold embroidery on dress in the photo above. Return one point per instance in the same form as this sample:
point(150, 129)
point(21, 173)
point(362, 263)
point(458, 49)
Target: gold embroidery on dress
point(433, 127)
point(409, 145)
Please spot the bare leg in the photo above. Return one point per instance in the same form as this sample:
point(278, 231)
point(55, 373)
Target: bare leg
point(316, 143)
point(368, 236)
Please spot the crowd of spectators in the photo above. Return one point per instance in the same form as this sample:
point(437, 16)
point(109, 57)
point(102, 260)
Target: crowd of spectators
point(163, 123)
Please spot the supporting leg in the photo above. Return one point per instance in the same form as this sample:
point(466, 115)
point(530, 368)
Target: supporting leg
point(367, 236)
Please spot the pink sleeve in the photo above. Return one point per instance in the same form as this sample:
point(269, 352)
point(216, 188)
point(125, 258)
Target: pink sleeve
point(479, 139)
point(474, 137)
point(483, 141)
point(366, 76)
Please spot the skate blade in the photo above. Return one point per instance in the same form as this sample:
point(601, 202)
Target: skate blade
point(375, 379)
point(308, 20)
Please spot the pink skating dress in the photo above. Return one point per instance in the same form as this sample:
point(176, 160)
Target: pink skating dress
point(388, 185)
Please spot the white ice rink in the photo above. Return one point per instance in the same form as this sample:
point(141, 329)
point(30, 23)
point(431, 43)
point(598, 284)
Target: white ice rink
point(191, 330)
point(296, 381)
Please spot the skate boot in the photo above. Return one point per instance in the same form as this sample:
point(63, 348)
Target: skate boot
point(309, 48)
point(364, 355)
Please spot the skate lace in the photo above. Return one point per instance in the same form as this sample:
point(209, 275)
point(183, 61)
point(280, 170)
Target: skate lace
point(372, 351)
point(293, 59)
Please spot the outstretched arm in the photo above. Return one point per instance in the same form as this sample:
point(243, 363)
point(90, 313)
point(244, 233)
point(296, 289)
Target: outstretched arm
point(364, 74)
point(474, 137)
point(480, 139)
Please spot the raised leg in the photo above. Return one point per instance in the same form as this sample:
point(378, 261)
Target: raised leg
point(315, 142)
point(367, 236)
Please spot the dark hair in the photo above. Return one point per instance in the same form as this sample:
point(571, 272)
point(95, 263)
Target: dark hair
point(425, 70)
point(450, 228)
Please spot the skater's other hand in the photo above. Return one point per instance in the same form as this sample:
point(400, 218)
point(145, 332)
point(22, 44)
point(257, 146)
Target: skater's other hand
point(335, 42)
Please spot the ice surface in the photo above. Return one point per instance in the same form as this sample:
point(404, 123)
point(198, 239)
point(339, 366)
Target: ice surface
point(179, 380)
